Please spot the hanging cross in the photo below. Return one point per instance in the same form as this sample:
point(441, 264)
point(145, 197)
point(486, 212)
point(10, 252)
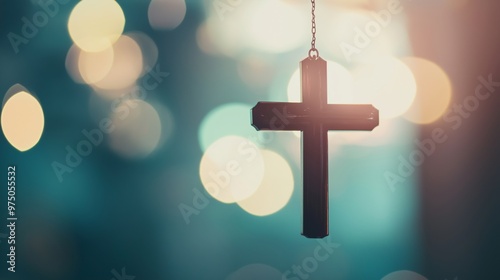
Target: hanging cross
point(314, 117)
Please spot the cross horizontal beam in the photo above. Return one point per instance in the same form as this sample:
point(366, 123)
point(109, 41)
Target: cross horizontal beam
point(298, 116)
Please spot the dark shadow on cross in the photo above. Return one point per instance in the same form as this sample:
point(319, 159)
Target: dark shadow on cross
point(314, 117)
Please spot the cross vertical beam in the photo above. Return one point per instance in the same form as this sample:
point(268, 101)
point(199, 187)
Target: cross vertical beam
point(314, 151)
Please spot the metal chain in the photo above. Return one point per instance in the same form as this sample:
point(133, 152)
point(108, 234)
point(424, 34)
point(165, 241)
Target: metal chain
point(313, 31)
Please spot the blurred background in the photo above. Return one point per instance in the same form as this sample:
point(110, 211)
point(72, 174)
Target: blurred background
point(128, 123)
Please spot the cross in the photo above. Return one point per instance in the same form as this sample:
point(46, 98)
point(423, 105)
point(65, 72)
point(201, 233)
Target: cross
point(314, 117)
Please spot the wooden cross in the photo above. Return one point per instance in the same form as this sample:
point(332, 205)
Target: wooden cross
point(314, 117)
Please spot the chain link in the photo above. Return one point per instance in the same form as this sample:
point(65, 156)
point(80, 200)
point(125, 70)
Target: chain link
point(313, 31)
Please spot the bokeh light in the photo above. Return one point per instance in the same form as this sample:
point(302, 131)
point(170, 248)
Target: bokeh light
point(341, 23)
point(256, 48)
point(22, 121)
point(94, 25)
point(94, 66)
point(135, 130)
point(433, 91)
point(255, 27)
point(222, 38)
point(387, 83)
point(231, 169)
point(276, 188)
point(344, 22)
point(127, 66)
point(227, 119)
point(166, 14)
point(266, 31)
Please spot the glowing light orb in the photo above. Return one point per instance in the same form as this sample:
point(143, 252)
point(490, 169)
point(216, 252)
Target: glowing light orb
point(94, 25)
point(126, 68)
point(265, 31)
point(22, 121)
point(166, 14)
point(135, 129)
point(241, 26)
point(356, 34)
point(275, 190)
point(94, 66)
point(388, 84)
point(221, 38)
point(433, 91)
point(231, 169)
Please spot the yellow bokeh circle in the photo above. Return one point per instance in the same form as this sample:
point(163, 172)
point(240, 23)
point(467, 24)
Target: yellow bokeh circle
point(94, 25)
point(434, 91)
point(275, 190)
point(231, 169)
